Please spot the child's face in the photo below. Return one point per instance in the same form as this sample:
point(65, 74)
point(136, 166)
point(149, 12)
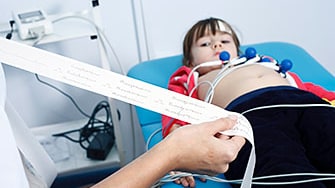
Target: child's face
point(209, 47)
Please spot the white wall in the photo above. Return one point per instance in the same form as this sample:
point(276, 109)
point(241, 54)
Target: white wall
point(161, 26)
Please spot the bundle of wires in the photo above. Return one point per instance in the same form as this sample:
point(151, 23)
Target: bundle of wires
point(304, 178)
point(93, 126)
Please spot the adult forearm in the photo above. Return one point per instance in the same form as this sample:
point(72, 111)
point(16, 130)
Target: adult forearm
point(143, 171)
point(177, 151)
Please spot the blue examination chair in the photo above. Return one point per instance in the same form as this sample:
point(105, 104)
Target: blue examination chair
point(158, 71)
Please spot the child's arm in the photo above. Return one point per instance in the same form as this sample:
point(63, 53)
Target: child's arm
point(178, 83)
point(170, 124)
point(174, 127)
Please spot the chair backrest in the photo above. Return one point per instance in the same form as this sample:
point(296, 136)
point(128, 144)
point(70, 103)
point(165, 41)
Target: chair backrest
point(158, 71)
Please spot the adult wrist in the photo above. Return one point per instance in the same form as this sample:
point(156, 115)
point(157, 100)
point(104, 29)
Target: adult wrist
point(173, 153)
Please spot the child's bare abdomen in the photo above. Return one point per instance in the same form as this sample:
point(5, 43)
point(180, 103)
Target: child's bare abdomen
point(239, 82)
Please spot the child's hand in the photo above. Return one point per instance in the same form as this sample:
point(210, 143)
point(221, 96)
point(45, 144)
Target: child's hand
point(187, 181)
point(332, 102)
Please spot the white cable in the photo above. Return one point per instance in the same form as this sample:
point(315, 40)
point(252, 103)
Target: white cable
point(321, 177)
point(150, 138)
point(200, 83)
point(236, 65)
point(160, 129)
point(206, 64)
point(326, 176)
point(101, 35)
point(224, 72)
point(288, 105)
point(229, 67)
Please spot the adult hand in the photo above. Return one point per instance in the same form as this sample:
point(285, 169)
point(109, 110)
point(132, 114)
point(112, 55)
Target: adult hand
point(197, 148)
point(203, 149)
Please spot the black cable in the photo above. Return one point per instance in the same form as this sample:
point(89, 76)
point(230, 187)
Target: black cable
point(93, 126)
point(65, 94)
point(10, 34)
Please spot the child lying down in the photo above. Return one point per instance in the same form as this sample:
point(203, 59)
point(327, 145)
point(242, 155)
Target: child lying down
point(292, 121)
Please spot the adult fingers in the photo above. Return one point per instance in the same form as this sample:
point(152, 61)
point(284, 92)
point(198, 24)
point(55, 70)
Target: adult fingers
point(239, 141)
point(222, 124)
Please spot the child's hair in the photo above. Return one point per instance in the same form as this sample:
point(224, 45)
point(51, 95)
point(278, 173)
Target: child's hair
point(200, 29)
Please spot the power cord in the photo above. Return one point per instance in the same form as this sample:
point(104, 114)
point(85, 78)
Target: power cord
point(65, 94)
point(96, 136)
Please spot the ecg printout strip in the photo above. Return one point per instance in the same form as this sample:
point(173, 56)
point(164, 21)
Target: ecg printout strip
point(122, 88)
